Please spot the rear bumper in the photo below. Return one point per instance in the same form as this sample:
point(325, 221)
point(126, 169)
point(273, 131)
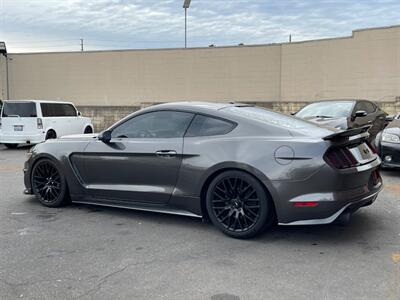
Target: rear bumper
point(349, 207)
point(22, 139)
point(330, 193)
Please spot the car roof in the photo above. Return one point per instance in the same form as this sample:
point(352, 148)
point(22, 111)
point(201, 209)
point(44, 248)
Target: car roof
point(197, 106)
point(341, 100)
point(37, 101)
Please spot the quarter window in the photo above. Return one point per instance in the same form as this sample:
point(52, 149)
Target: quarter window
point(206, 126)
point(160, 124)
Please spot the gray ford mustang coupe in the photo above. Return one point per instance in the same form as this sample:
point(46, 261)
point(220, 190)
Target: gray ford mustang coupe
point(243, 167)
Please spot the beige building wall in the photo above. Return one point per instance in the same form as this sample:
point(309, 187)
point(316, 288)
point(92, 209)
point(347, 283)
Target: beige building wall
point(365, 65)
point(131, 77)
point(3, 78)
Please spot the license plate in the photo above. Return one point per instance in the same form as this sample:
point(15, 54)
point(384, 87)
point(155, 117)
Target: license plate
point(18, 127)
point(362, 153)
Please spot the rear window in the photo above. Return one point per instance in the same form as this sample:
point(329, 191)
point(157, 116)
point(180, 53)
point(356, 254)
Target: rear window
point(58, 110)
point(205, 126)
point(23, 109)
point(269, 117)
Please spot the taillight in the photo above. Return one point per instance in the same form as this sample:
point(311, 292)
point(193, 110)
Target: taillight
point(39, 123)
point(340, 158)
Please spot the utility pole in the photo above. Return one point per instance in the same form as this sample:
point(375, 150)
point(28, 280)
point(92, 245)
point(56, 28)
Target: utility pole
point(290, 38)
point(185, 27)
point(186, 5)
point(81, 45)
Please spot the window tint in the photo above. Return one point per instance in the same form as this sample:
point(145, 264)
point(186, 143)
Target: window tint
point(334, 109)
point(369, 107)
point(58, 110)
point(204, 126)
point(160, 124)
point(23, 109)
point(68, 110)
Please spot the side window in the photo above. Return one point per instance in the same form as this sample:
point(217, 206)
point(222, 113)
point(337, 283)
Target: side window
point(205, 126)
point(159, 124)
point(58, 110)
point(68, 110)
point(369, 107)
point(45, 109)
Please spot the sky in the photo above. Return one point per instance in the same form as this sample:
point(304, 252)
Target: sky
point(58, 25)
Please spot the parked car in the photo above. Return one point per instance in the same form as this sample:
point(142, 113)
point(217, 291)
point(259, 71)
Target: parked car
point(346, 114)
point(388, 144)
point(243, 167)
point(34, 121)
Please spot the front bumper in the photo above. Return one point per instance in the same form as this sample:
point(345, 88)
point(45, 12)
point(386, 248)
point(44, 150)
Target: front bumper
point(22, 139)
point(392, 150)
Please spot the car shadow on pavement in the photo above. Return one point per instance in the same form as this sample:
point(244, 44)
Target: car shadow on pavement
point(19, 148)
point(358, 230)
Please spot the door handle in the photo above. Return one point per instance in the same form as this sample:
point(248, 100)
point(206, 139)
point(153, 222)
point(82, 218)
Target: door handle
point(166, 153)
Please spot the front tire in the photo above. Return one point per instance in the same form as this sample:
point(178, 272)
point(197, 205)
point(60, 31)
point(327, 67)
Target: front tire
point(238, 205)
point(11, 146)
point(49, 184)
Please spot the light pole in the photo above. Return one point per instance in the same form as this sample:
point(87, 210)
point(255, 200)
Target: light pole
point(186, 5)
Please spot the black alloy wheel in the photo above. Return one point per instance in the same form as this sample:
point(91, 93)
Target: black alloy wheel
point(238, 204)
point(48, 184)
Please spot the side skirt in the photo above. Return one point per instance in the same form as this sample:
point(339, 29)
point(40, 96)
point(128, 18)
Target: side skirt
point(157, 209)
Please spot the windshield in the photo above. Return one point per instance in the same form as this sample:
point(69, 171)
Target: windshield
point(23, 109)
point(269, 117)
point(328, 109)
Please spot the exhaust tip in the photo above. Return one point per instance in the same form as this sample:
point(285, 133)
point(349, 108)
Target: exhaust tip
point(344, 219)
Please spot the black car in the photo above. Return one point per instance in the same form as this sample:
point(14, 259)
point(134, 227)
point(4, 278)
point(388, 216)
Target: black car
point(388, 144)
point(346, 114)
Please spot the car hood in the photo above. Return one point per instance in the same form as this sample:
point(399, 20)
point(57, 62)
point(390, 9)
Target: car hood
point(79, 137)
point(393, 127)
point(340, 123)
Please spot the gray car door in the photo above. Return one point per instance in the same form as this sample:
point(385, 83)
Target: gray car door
point(140, 163)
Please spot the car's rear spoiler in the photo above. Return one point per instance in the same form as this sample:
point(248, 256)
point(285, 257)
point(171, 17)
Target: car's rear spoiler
point(361, 132)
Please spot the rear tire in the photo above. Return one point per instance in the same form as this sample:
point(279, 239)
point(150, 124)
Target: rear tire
point(88, 130)
point(51, 134)
point(238, 205)
point(49, 184)
point(11, 146)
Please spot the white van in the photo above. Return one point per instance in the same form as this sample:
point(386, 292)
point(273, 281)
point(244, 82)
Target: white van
point(34, 121)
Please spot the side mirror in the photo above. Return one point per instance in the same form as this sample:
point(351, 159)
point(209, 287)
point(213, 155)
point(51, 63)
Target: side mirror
point(79, 113)
point(292, 113)
point(105, 136)
point(360, 114)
